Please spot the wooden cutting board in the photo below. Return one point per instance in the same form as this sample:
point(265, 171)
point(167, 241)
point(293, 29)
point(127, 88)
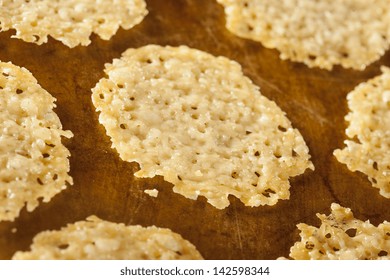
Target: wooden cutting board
point(313, 99)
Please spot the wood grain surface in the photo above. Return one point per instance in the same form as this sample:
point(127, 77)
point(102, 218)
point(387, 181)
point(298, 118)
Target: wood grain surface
point(104, 185)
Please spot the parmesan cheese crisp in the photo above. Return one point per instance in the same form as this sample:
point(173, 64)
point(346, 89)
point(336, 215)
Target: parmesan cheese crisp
point(70, 21)
point(95, 239)
point(321, 33)
point(369, 124)
point(342, 237)
point(198, 121)
point(33, 162)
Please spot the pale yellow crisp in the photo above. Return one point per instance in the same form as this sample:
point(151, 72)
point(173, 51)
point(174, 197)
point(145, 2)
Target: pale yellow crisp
point(321, 33)
point(70, 21)
point(197, 120)
point(342, 237)
point(96, 239)
point(368, 150)
point(33, 162)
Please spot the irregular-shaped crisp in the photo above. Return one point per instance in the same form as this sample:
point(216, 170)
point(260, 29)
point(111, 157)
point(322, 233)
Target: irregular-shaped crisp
point(199, 122)
point(152, 193)
point(95, 239)
point(69, 21)
point(33, 162)
point(342, 237)
point(369, 124)
point(322, 33)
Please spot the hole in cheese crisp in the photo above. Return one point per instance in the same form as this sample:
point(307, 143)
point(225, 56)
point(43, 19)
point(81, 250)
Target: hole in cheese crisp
point(103, 240)
point(33, 162)
point(322, 33)
point(341, 236)
point(70, 21)
point(368, 150)
point(198, 140)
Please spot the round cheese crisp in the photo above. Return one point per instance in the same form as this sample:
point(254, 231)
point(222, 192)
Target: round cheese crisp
point(96, 239)
point(368, 151)
point(70, 21)
point(342, 237)
point(198, 121)
point(33, 162)
point(322, 33)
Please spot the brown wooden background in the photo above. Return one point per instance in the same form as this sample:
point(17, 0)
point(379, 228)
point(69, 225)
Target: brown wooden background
point(313, 99)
